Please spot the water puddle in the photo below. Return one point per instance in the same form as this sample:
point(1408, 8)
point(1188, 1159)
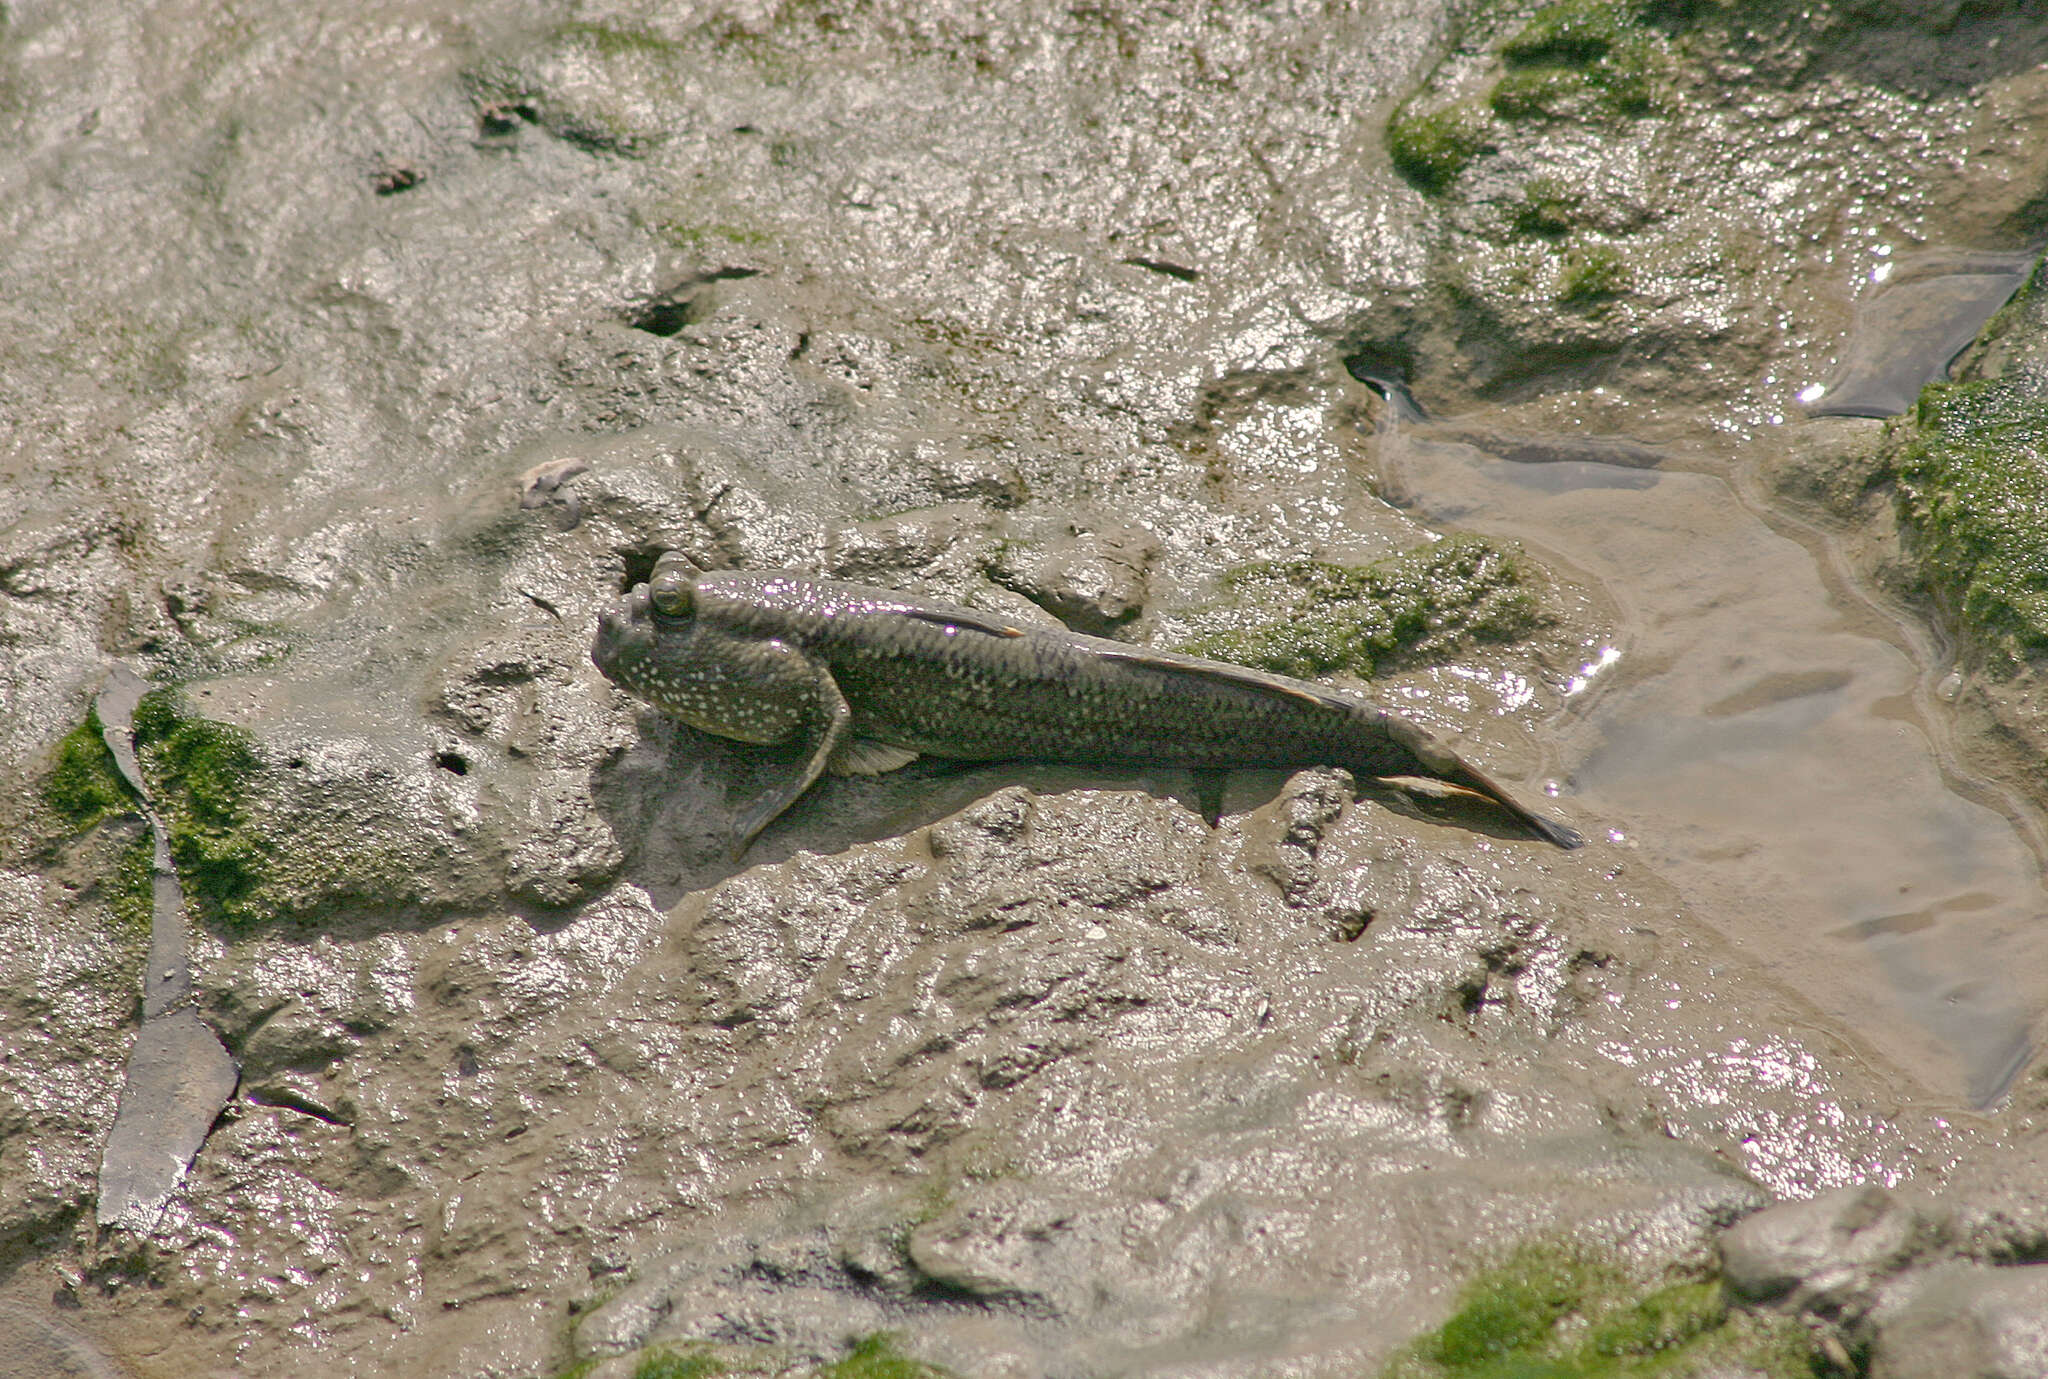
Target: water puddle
point(1926, 310)
point(1760, 744)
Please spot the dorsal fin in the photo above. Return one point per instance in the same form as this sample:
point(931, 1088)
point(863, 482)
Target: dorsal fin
point(959, 617)
point(1243, 676)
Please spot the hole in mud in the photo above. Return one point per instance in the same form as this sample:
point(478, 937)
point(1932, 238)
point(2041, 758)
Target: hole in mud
point(505, 117)
point(639, 566)
point(665, 318)
point(452, 761)
point(1381, 361)
point(1385, 367)
point(1171, 270)
point(681, 305)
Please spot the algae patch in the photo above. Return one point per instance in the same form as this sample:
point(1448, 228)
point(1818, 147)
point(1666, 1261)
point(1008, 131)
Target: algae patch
point(1430, 149)
point(1973, 489)
point(673, 1364)
point(1581, 57)
point(199, 772)
point(876, 1357)
point(1582, 60)
point(1309, 618)
point(1556, 1312)
point(84, 786)
point(1592, 273)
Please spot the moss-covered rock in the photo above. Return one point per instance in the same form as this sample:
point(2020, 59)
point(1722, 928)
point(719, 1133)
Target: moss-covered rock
point(1973, 490)
point(1553, 1311)
point(1309, 618)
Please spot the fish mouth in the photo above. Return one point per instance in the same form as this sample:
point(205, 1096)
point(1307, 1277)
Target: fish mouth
point(620, 628)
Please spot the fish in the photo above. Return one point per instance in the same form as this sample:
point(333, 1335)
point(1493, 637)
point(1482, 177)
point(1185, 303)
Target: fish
point(866, 680)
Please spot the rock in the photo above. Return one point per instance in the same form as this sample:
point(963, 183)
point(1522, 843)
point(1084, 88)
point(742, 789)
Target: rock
point(1966, 1321)
point(1828, 1255)
point(179, 1077)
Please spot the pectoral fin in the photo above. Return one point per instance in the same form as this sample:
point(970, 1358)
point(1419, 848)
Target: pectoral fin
point(826, 730)
point(863, 756)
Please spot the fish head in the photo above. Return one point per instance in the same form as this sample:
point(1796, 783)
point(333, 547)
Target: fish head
point(631, 632)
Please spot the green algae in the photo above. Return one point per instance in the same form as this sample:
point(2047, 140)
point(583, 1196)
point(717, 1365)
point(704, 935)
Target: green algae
point(199, 773)
point(1552, 1311)
point(1549, 208)
point(84, 785)
point(611, 40)
point(84, 788)
point(678, 1364)
point(876, 1357)
point(679, 233)
point(1431, 149)
point(1973, 490)
point(1592, 273)
point(1579, 60)
point(131, 890)
point(1310, 618)
point(1581, 57)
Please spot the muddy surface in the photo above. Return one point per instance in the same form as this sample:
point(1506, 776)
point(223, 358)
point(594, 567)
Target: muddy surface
point(352, 358)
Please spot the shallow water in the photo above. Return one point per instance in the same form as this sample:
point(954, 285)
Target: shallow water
point(1761, 743)
point(1926, 311)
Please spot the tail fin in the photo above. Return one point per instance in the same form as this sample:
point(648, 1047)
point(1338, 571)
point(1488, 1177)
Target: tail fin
point(1550, 830)
point(1445, 765)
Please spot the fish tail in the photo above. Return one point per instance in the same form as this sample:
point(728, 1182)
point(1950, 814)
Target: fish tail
point(1443, 764)
point(1550, 830)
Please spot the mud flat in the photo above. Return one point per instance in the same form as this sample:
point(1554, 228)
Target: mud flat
point(351, 359)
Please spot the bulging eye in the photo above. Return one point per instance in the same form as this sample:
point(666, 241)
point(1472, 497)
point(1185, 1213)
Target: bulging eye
point(669, 592)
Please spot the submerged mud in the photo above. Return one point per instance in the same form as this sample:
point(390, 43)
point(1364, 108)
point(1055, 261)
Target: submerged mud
point(352, 361)
point(1766, 743)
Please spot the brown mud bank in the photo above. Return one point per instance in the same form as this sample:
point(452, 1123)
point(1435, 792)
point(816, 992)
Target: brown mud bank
point(351, 361)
